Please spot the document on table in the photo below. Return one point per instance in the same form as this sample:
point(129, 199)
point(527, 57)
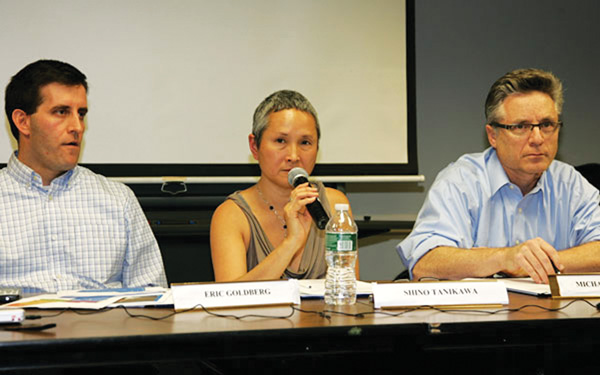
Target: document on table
point(525, 285)
point(316, 288)
point(98, 299)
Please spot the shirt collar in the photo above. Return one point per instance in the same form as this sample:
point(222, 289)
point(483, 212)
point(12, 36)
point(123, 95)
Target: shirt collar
point(541, 184)
point(499, 178)
point(497, 175)
point(27, 176)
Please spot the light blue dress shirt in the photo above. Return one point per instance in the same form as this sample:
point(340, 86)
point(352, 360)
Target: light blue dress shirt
point(472, 203)
point(82, 231)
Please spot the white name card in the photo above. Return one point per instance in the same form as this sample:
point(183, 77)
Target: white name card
point(441, 293)
point(279, 292)
point(575, 285)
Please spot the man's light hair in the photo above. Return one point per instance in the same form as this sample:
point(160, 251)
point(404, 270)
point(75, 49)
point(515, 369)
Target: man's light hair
point(522, 81)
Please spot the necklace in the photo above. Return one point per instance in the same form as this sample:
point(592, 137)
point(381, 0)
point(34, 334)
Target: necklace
point(272, 208)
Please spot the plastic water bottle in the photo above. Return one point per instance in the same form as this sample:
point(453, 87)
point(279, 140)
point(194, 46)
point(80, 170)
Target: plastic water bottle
point(340, 253)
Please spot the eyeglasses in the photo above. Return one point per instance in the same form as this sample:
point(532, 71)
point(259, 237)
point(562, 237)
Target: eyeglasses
point(546, 128)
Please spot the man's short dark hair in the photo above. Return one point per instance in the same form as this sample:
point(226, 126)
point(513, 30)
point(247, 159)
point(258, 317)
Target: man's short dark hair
point(23, 90)
point(522, 81)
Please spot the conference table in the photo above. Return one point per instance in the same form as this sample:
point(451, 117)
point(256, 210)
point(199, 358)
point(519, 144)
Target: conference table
point(522, 337)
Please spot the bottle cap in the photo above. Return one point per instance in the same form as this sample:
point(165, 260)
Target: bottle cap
point(341, 206)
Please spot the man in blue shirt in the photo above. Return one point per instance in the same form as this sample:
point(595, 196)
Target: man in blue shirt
point(512, 209)
point(61, 225)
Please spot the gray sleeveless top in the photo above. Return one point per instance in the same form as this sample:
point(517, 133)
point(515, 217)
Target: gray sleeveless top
point(312, 264)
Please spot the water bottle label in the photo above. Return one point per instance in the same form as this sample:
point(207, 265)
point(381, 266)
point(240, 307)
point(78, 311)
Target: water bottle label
point(340, 242)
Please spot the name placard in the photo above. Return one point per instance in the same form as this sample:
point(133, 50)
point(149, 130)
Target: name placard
point(278, 292)
point(440, 293)
point(575, 285)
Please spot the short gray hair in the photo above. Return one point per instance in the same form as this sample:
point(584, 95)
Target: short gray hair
point(522, 81)
point(279, 101)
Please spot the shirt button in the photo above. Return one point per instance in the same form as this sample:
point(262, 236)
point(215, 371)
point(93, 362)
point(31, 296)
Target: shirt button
point(520, 210)
point(53, 237)
point(517, 242)
point(49, 197)
point(511, 187)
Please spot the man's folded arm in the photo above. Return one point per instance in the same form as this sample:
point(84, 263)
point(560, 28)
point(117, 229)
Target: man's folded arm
point(582, 258)
point(535, 258)
point(454, 263)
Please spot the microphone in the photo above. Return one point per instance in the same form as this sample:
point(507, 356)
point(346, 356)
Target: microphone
point(298, 176)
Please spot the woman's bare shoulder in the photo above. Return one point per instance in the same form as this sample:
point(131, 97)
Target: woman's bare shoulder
point(230, 209)
point(229, 214)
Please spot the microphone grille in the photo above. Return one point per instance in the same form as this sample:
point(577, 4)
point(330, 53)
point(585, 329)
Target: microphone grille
point(294, 173)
